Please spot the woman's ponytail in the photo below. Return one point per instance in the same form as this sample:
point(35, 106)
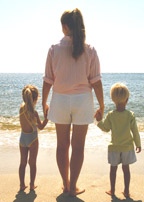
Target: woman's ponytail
point(74, 21)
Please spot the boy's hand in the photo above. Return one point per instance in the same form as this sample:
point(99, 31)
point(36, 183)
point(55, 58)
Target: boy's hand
point(138, 149)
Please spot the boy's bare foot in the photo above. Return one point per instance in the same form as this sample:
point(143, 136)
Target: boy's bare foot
point(127, 195)
point(110, 193)
point(22, 188)
point(77, 191)
point(33, 187)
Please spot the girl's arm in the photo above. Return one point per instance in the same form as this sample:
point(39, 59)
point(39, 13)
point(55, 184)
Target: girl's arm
point(41, 124)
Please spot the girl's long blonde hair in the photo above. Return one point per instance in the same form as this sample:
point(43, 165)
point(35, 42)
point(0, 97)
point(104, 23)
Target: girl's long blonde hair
point(74, 21)
point(30, 94)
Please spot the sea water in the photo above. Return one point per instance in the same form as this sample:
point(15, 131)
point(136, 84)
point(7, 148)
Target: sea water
point(11, 85)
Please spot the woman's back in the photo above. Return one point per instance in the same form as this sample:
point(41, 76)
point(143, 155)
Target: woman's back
point(70, 75)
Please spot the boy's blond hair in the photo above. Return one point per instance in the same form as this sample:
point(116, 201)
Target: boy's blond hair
point(119, 93)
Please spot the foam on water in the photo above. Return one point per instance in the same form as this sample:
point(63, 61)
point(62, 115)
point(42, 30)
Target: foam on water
point(11, 86)
point(95, 139)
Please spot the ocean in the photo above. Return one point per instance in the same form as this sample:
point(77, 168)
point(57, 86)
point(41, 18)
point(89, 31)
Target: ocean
point(11, 85)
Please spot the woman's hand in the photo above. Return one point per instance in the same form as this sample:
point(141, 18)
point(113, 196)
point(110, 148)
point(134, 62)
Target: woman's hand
point(45, 110)
point(99, 114)
point(45, 93)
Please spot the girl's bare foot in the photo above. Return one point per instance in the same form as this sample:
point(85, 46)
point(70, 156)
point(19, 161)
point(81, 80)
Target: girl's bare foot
point(33, 187)
point(77, 191)
point(127, 195)
point(110, 193)
point(22, 188)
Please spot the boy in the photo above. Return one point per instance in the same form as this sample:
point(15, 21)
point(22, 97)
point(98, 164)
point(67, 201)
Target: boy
point(124, 133)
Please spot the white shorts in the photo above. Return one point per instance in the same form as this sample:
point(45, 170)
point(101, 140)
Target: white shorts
point(77, 109)
point(115, 158)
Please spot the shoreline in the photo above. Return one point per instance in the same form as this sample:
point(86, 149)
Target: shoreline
point(94, 178)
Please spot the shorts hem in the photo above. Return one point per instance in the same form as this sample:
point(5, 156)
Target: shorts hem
point(122, 163)
point(59, 122)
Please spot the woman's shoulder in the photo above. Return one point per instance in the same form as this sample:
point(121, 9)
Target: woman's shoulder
point(90, 49)
point(89, 46)
point(66, 40)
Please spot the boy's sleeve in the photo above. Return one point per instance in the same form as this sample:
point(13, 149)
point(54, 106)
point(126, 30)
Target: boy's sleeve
point(105, 124)
point(134, 129)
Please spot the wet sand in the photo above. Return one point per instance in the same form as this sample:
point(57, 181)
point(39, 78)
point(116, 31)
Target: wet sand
point(94, 178)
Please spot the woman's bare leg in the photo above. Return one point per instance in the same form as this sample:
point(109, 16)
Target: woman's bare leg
point(23, 163)
point(32, 162)
point(62, 154)
point(77, 157)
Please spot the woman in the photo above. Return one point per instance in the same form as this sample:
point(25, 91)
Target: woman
point(73, 69)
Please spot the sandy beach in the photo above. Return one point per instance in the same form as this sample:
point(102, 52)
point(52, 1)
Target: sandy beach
point(94, 178)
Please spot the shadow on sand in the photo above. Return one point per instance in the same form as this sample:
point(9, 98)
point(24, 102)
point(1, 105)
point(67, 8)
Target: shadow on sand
point(115, 199)
point(66, 198)
point(22, 196)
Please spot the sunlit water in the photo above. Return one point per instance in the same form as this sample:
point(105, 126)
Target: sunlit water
point(11, 86)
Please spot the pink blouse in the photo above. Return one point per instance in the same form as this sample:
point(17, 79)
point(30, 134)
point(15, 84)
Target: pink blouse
point(70, 76)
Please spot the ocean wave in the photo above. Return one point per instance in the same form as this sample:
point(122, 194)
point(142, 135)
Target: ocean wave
point(12, 123)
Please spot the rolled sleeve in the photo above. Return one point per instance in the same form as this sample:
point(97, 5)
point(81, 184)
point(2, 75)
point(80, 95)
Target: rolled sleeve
point(49, 76)
point(95, 70)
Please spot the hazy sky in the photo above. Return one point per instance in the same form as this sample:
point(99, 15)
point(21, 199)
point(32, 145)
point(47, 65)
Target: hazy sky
point(114, 27)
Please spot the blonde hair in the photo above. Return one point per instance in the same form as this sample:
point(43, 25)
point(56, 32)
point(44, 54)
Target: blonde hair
point(30, 94)
point(74, 21)
point(119, 93)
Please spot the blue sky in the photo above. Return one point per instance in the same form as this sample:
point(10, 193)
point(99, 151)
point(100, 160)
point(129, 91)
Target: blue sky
point(114, 27)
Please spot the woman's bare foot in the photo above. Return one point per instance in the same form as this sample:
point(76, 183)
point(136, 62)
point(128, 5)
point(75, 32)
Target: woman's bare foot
point(33, 187)
point(22, 188)
point(77, 191)
point(127, 195)
point(65, 189)
point(110, 193)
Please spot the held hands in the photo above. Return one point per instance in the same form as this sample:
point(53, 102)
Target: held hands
point(45, 110)
point(138, 149)
point(99, 114)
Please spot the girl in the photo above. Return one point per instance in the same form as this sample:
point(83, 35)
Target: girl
point(29, 121)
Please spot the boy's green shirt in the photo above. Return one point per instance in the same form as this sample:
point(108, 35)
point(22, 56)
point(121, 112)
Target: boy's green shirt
point(124, 131)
